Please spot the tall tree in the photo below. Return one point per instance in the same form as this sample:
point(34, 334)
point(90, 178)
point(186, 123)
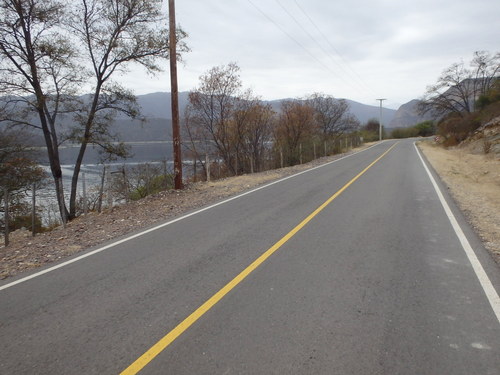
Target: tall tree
point(332, 115)
point(42, 65)
point(295, 125)
point(212, 105)
point(256, 122)
point(18, 168)
point(115, 33)
point(36, 65)
point(459, 87)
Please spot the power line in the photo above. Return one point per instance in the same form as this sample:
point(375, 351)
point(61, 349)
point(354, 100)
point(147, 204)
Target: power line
point(317, 43)
point(296, 41)
point(356, 75)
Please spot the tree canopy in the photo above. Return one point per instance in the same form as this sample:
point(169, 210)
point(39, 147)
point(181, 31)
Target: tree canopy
point(52, 52)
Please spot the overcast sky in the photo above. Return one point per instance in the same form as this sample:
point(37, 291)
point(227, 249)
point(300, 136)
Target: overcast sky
point(356, 49)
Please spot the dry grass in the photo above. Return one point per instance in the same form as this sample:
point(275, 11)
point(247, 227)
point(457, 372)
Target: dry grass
point(474, 182)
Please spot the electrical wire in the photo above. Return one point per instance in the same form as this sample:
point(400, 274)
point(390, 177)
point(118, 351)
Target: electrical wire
point(356, 75)
point(298, 43)
point(327, 53)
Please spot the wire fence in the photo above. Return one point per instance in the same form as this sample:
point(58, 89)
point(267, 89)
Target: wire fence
point(104, 186)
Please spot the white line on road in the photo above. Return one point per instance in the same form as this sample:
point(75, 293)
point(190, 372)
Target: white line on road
point(486, 284)
point(93, 252)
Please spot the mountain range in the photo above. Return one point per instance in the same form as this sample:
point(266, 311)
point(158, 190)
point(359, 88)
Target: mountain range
point(156, 108)
point(407, 115)
point(157, 105)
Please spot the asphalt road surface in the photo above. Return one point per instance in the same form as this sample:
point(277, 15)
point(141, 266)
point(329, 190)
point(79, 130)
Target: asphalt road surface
point(350, 268)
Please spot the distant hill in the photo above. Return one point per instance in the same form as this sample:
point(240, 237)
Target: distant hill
point(366, 112)
point(407, 115)
point(157, 105)
point(153, 129)
point(156, 108)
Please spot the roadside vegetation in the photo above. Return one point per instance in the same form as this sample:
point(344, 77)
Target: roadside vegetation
point(464, 98)
point(423, 129)
point(232, 128)
point(57, 63)
point(53, 52)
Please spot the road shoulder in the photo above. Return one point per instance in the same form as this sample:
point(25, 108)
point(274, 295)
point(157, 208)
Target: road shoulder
point(474, 183)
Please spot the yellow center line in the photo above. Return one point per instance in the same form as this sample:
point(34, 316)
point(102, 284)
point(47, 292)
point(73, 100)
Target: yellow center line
point(157, 348)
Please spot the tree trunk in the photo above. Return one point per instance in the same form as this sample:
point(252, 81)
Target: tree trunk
point(83, 148)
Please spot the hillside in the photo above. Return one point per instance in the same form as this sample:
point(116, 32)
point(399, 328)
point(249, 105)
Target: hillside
point(157, 105)
point(156, 109)
point(407, 115)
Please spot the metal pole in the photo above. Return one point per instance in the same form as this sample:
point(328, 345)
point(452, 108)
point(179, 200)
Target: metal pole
point(174, 98)
point(380, 120)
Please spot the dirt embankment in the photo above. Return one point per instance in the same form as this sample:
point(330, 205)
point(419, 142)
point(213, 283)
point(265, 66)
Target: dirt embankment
point(473, 179)
point(26, 252)
point(474, 182)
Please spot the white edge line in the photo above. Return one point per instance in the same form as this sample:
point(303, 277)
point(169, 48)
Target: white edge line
point(485, 282)
point(53, 268)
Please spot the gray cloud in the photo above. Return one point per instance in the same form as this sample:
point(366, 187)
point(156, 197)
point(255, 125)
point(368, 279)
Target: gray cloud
point(373, 48)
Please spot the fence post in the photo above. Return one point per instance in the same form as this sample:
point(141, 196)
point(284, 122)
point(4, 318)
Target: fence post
point(300, 153)
point(108, 181)
point(101, 189)
point(33, 209)
point(84, 194)
point(207, 166)
point(6, 216)
point(61, 197)
point(281, 157)
point(164, 173)
point(324, 145)
point(147, 179)
point(194, 168)
point(125, 182)
point(314, 150)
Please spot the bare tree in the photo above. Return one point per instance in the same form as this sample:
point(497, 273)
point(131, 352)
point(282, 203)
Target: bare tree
point(253, 130)
point(41, 69)
point(295, 125)
point(18, 171)
point(212, 105)
point(115, 33)
point(36, 68)
point(458, 87)
point(332, 115)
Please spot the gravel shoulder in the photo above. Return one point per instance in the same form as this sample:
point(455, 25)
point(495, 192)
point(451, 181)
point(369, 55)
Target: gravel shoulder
point(474, 183)
point(25, 252)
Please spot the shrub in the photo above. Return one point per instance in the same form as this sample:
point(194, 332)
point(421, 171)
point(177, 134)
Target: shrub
point(404, 133)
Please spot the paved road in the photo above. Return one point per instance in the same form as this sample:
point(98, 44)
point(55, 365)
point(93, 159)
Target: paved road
point(377, 282)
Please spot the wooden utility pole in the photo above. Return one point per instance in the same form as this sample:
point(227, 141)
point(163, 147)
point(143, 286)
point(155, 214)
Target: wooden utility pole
point(175, 98)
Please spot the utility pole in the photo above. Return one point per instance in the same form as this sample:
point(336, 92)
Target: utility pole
point(174, 93)
point(380, 120)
